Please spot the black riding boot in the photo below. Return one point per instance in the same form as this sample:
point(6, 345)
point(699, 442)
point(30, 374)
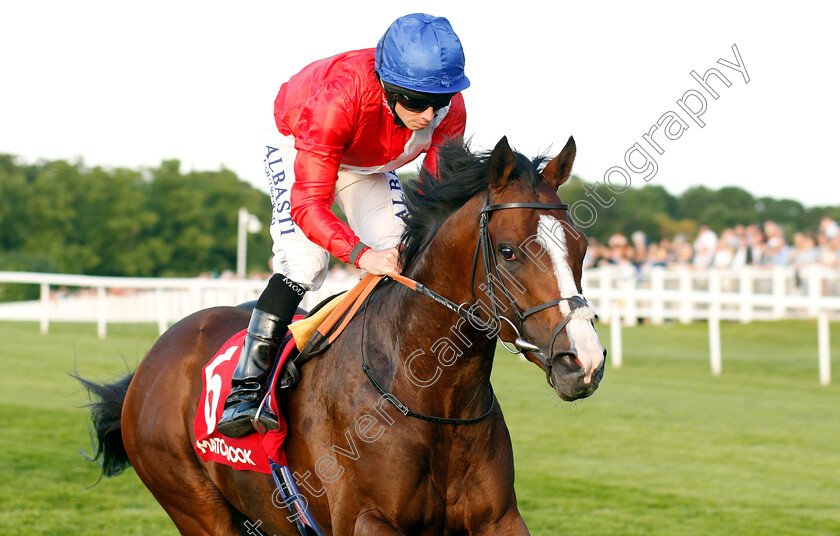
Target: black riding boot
point(248, 384)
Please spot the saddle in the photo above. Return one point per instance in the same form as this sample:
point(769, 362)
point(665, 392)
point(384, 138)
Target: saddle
point(264, 452)
point(307, 337)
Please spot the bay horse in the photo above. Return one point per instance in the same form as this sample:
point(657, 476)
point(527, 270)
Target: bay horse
point(394, 430)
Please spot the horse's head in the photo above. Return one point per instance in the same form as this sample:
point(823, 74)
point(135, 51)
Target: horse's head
point(532, 256)
point(524, 263)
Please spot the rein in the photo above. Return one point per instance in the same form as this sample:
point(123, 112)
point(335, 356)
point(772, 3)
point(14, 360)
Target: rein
point(393, 399)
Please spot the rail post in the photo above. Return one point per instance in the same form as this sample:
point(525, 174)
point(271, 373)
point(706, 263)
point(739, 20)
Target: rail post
point(100, 312)
point(45, 308)
point(824, 349)
point(615, 332)
point(714, 323)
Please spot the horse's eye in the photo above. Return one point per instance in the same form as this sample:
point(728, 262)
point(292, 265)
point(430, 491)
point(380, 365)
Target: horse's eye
point(507, 253)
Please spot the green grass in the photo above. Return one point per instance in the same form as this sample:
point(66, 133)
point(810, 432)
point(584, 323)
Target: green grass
point(43, 424)
point(663, 448)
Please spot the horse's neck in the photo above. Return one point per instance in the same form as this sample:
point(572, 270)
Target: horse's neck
point(445, 264)
point(442, 360)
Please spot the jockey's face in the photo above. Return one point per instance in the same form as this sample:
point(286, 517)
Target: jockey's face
point(415, 109)
point(415, 120)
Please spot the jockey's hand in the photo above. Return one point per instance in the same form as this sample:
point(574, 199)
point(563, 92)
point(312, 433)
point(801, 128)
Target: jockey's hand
point(380, 262)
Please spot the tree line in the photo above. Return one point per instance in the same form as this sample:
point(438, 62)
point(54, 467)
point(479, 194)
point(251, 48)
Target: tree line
point(66, 217)
point(659, 214)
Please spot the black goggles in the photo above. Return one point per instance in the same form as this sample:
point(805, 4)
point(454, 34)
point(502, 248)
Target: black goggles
point(419, 102)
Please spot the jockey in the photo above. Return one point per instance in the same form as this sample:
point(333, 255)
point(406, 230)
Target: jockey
point(342, 127)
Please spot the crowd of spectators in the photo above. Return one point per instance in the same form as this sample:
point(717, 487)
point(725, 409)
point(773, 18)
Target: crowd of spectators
point(742, 245)
point(750, 245)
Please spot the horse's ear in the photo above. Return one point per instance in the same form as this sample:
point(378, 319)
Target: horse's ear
point(502, 163)
point(558, 170)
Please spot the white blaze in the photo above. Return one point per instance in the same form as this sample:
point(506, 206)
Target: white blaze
point(582, 335)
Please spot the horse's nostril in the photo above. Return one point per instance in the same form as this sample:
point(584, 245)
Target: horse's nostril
point(599, 374)
point(568, 362)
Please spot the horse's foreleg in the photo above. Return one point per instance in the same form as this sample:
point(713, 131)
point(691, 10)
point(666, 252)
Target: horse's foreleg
point(370, 524)
point(188, 525)
point(510, 524)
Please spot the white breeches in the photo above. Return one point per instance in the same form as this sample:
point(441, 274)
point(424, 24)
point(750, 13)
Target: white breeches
point(372, 203)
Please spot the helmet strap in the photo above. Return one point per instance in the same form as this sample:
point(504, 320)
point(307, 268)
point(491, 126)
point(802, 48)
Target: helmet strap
point(392, 102)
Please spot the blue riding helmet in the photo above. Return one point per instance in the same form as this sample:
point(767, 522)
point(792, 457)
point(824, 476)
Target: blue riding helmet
point(421, 53)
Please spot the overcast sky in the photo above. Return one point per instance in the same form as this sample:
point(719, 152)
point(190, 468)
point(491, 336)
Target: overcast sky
point(130, 84)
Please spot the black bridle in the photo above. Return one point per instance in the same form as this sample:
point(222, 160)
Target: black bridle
point(484, 244)
point(493, 277)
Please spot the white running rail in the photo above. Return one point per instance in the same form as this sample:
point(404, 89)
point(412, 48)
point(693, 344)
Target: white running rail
point(133, 300)
point(623, 296)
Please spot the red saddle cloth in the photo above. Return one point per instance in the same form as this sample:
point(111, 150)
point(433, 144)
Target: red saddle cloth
point(251, 452)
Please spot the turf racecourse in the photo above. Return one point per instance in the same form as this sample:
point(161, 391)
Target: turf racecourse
point(663, 448)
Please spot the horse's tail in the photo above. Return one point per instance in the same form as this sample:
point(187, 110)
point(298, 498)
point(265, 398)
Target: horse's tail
point(106, 410)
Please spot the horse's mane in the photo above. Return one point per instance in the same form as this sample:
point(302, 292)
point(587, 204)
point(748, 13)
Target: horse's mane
point(461, 175)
